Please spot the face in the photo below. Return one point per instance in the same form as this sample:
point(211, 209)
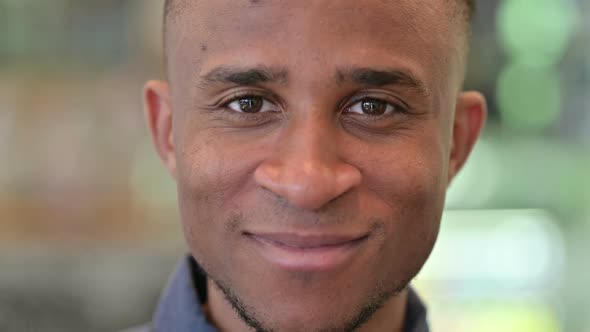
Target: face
point(312, 144)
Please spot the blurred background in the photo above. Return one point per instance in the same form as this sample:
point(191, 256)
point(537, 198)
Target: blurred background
point(89, 228)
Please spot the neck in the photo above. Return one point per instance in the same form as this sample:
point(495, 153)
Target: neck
point(390, 317)
point(220, 313)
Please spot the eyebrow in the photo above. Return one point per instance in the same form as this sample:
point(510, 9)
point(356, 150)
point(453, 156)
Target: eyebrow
point(381, 77)
point(245, 76)
point(372, 77)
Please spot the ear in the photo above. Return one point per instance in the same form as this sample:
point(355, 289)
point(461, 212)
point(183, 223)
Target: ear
point(470, 117)
point(158, 113)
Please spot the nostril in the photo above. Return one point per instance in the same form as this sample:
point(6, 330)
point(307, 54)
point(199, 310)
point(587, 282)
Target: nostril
point(348, 176)
point(307, 185)
point(268, 175)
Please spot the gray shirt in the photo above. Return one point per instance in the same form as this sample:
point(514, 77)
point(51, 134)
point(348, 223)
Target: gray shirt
point(179, 308)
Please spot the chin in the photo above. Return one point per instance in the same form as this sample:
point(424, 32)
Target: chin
point(311, 304)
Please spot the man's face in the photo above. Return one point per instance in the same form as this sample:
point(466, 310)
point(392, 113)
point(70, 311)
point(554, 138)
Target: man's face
point(312, 144)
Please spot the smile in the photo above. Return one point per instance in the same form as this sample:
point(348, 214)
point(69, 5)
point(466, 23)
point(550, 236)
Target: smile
point(307, 252)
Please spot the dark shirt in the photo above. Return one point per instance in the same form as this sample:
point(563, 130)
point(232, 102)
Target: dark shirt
point(179, 309)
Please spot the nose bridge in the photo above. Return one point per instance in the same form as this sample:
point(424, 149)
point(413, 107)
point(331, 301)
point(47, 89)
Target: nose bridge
point(305, 168)
point(308, 142)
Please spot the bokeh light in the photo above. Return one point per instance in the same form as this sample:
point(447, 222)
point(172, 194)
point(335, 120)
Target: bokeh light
point(529, 97)
point(514, 317)
point(536, 32)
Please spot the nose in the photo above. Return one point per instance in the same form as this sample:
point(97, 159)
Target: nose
point(305, 168)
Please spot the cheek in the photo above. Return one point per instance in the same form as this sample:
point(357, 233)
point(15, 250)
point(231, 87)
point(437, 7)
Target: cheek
point(210, 176)
point(412, 204)
point(407, 191)
point(408, 178)
point(212, 170)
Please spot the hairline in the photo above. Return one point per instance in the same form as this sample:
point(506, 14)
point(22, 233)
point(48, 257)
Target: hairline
point(468, 10)
point(465, 10)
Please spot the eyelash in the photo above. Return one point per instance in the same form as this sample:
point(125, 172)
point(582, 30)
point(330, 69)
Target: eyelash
point(254, 119)
point(400, 107)
point(225, 102)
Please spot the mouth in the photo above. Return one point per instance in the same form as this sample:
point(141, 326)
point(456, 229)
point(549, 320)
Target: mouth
point(296, 252)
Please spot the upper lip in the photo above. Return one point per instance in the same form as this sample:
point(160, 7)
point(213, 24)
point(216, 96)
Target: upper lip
point(306, 241)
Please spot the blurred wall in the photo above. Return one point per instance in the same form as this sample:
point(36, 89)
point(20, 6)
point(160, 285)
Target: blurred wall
point(89, 227)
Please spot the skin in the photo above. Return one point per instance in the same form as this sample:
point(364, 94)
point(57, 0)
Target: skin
point(312, 162)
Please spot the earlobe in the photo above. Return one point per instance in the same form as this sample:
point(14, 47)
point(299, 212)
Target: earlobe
point(158, 114)
point(470, 117)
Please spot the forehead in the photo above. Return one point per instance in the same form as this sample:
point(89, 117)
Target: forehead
point(418, 34)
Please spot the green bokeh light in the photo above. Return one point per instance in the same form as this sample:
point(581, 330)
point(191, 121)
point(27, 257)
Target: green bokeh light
point(529, 97)
point(526, 317)
point(536, 31)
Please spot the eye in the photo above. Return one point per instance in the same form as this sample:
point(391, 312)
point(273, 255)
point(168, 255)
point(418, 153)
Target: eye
point(374, 107)
point(251, 104)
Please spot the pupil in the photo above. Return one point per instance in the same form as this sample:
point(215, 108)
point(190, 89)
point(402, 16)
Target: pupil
point(374, 107)
point(250, 104)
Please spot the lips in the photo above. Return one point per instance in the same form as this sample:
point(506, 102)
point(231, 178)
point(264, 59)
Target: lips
point(305, 241)
point(320, 252)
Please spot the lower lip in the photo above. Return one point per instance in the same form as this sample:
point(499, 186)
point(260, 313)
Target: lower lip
point(323, 258)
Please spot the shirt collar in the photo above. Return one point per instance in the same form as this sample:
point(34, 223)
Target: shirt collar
point(179, 308)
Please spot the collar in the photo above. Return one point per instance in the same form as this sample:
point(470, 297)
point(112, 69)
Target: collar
point(179, 308)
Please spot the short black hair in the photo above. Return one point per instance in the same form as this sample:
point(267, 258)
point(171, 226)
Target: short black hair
point(172, 9)
point(468, 9)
